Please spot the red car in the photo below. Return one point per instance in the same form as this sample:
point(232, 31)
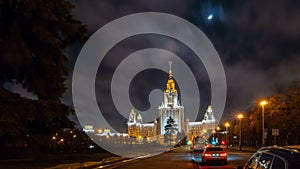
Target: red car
point(214, 155)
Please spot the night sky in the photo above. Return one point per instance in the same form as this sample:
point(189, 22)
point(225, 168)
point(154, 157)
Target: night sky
point(257, 41)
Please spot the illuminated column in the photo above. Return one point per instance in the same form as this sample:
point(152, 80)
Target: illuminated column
point(263, 103)
point(240, 116)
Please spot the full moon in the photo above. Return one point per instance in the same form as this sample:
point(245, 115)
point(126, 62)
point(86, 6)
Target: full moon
point(210, 17)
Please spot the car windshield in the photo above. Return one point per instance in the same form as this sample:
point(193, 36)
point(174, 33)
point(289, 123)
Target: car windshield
point(296, 163)
point(197, 151)
point(214, 149)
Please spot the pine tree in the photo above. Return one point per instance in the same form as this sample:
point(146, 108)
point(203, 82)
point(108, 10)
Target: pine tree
point(170, 129)
point(33, 37)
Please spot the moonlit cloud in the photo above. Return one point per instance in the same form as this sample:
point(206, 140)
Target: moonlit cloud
point(258, 41)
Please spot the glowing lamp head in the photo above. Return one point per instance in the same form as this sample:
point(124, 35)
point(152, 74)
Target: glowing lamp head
point(264, 102)
point(240, 116)
point(227, 124)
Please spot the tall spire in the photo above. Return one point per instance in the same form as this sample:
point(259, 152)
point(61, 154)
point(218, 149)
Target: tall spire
point(170, 69)
point(132, 116)
point(171, 83)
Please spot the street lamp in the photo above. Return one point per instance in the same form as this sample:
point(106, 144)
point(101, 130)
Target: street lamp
point(240, 116)
point(218, 132)
point(226, 138)
point(214, 137)
point(214, 132)
point(263, 103)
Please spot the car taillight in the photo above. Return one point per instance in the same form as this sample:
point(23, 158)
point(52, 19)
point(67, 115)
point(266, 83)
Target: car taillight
point(223, 154)
point(207, 155)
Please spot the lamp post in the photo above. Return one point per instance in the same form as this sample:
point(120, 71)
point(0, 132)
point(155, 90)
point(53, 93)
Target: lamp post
point(263, 103)
point(218, 133)
point(226, 137)
point(213, 137)
point(214, 133)
point(240, 116)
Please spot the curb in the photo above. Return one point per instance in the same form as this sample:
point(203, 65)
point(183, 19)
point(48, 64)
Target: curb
point(89, 164)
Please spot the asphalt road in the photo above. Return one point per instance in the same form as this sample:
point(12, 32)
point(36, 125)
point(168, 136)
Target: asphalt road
point(178, 158)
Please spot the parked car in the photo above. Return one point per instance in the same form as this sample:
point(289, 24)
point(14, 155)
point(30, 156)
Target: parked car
point(275, 157)
point(214, 155)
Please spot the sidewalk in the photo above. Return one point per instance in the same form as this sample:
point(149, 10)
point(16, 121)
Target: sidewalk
point(70, 161)
point(107, 161)
point(82, 160)
point(89, 164)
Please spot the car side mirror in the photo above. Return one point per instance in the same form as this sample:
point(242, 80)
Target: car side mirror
point(239, 167)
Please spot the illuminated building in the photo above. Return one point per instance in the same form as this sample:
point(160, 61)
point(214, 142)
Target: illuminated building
point(136, 127)
point(170, 108)
point(89, 129)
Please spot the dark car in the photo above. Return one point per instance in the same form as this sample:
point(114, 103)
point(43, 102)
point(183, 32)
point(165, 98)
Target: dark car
point(214, 155)
point(197, 155)
point(274, 157)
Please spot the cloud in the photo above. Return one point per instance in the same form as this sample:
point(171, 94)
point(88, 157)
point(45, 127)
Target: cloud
point(97, 13)
point(280, 16)
point(258, 41)
point(247, 83)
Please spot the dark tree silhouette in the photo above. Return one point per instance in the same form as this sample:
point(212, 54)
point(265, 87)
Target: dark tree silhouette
point(33, 37)
point(281, 112)
point(170, 129)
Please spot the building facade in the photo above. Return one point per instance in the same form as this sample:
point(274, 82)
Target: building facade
point(170, 108)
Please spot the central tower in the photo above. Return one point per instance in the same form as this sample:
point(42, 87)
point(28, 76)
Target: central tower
point(171, 108)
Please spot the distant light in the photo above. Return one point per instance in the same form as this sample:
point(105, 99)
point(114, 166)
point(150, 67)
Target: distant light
point(264, 102)
point(210, 16)
point(240, 116)
point(227, 124)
